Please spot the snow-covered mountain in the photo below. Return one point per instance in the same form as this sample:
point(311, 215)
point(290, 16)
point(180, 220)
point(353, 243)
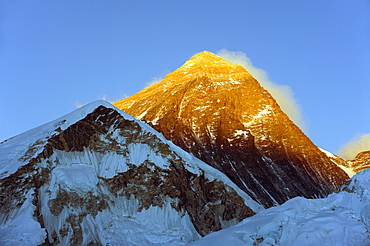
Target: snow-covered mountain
point(351, 167)
point(97, 176)
point(340, 163)
point(341, 219)
point(217, 111)
point(361, 161)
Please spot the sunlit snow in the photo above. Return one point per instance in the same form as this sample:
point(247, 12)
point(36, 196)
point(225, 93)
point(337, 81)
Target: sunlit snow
point(260, 114)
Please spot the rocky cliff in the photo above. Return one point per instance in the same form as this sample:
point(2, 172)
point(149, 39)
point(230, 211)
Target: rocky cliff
point(218, 112)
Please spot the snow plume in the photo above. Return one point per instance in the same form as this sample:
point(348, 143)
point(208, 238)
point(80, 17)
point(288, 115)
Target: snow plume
point(283, 94)
point(153, 81)
point(356, 145)
point(79, 105)
point(109, 99)
point(103, 97)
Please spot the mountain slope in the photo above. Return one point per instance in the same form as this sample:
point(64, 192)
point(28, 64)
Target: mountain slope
point(218, 112)
point(341, 219)
point(343, 164)
point(351, 167)
point(361, 161)
point(98, 176)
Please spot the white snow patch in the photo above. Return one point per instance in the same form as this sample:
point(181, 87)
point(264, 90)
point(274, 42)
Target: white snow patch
point(142, 115)
point(329, 154)
point(264, 111)
point(241, 133)
point(232, 81)
point(349, 171)
point(260, 114)
point(155, 121)
point(202, 107)
point(190, 64)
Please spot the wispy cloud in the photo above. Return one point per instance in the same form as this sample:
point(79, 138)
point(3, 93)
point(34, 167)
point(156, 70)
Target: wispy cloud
point(123, 96)
point(356, 145)
point(78, 104)
point(153, 81)
point(104, 97)
point(283, 94)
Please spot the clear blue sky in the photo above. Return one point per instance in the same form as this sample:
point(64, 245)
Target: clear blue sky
point(54, 54)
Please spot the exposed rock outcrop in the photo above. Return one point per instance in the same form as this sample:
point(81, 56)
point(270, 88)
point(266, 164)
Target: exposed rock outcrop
point(218, 112)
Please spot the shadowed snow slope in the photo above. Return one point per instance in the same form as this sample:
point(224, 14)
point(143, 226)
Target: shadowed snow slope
point(341, 219)
point(98, 176)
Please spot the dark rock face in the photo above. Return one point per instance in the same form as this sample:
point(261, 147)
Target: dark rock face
point(218, 112)
point(153, 177)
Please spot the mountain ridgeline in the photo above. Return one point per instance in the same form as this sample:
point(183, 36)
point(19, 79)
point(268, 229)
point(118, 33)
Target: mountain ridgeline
point(99, 177)
point(193, 154)
point(218, 112)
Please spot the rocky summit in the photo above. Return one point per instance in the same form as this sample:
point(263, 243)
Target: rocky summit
point(218, 112)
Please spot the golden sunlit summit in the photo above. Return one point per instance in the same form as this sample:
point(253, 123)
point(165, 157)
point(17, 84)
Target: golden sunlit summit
point(218, 112)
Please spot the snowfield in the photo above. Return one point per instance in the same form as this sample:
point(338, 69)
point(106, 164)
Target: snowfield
point(340, 219)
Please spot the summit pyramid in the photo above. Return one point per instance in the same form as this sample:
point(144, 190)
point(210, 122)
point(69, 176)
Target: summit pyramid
point(218, 112)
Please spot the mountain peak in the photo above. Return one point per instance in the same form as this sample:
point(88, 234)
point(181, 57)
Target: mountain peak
point(206, 59)
point(206, 56)
point(207, 64)
point(218, 112)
